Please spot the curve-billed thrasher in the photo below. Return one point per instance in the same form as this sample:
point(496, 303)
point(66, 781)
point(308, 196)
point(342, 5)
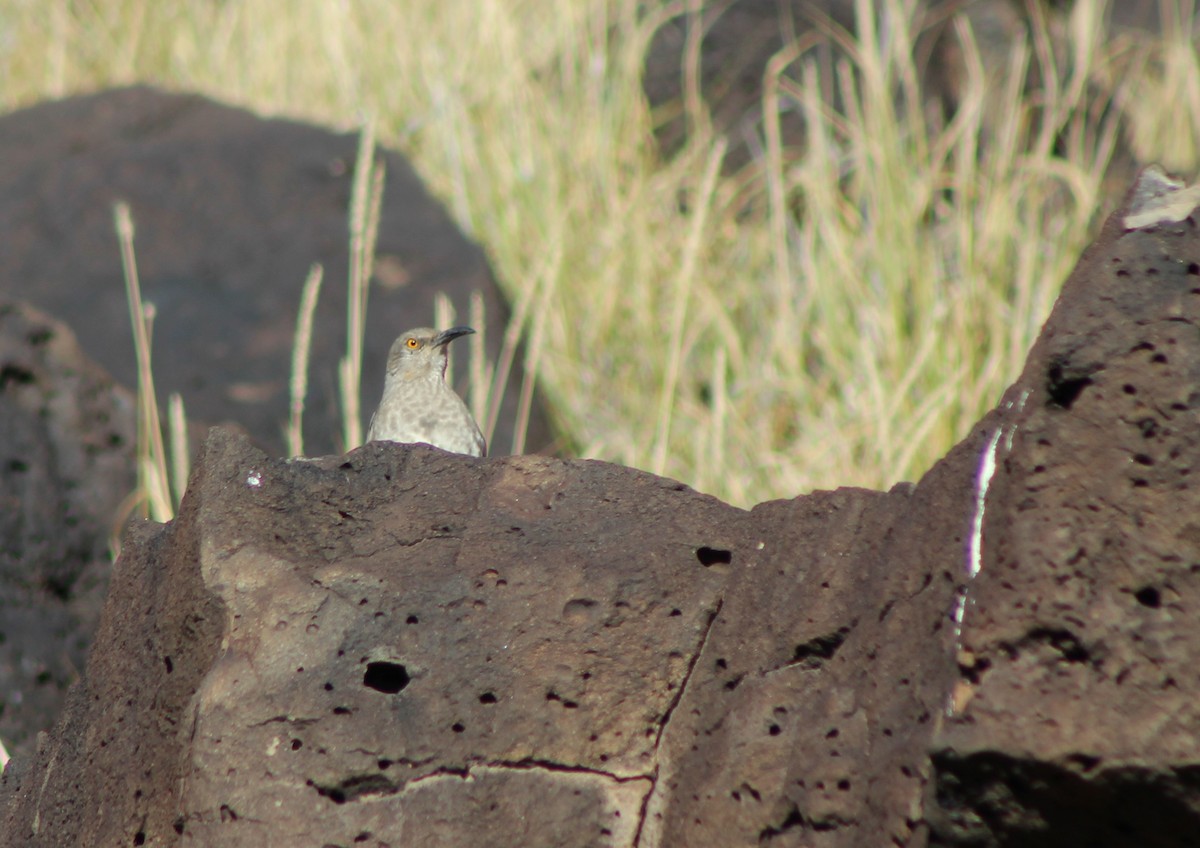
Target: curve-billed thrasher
point(417, 405)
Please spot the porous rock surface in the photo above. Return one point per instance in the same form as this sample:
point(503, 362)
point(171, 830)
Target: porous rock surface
point(230, 211)
point(401, 646)
point(1079, 710)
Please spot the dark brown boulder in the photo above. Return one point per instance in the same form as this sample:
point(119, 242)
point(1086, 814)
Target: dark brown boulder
point(66, 464)
point(231, 210)
point(1079, 709)
point(405, 647)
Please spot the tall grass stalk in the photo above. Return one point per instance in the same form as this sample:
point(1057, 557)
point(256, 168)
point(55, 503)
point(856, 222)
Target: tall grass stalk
point(702, 200)
point(151, 455)
point(480, 382)
point(181, 454)
point(301, 346)
point(365, 203)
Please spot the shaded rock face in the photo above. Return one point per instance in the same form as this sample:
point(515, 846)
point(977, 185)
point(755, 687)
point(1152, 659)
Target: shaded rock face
point(230, 211)
point(405, 647)
point(66, 463)
point(428, 649)
point(1080, 644)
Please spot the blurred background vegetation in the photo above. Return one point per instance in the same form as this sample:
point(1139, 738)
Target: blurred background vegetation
point(825, 282)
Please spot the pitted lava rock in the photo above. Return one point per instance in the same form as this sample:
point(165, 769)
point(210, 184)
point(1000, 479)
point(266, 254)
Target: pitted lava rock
point(403, 646)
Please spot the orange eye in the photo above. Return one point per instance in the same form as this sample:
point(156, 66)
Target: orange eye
point(413, 344)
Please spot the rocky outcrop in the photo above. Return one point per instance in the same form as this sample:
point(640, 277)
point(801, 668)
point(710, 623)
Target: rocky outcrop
point(401, 646)
point(1078, 713)
point(230, 211)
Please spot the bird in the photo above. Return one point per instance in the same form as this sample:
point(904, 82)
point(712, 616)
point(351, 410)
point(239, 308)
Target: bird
point(417, 405)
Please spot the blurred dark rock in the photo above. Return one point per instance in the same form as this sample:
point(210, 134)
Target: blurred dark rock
point(231, 210)
point(740, 39)
point(67, 438)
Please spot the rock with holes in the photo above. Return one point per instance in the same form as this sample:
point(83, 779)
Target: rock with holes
point(406, 647)
point(66, 462)
point(403, 646)
point(1078, 711)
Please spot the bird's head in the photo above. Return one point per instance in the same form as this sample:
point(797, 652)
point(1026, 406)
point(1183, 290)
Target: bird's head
point(422, 351)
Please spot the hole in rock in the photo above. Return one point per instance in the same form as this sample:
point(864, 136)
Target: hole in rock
point(386, 677)
point(297, 744)
point(139, 838)
point(487, 698)
point(14, 374)
point(1062, 641)
point(1193, 269)
point(793, 820)
point(1064, 386)
point(412, 619)
point(1148, 596)
point(355, 787)
point(814, 652)
point(578, 609)
point(713, 556)
point(170, 665)
point(458, 727)
point(59, 588)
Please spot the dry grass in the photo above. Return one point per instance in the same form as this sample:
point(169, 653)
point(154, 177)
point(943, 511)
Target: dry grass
point(840, 316)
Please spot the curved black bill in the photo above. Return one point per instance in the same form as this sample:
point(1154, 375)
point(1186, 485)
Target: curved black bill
point(447, 336)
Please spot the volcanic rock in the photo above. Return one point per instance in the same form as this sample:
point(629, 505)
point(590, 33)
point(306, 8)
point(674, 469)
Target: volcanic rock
point(401, 646)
